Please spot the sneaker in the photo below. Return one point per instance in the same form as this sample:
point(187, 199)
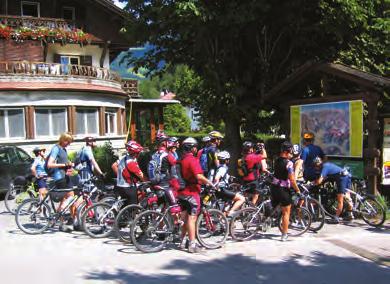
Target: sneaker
point(65, 228)
point(194, 248)
point(184, 244)
point(349, 216)
point(334, 220)
point(284, 237)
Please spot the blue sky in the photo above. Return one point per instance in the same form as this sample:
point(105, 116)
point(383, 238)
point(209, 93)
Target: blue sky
point(119, 4)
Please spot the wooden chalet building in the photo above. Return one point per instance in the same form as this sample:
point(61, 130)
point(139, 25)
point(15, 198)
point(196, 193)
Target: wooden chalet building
point(55, 75)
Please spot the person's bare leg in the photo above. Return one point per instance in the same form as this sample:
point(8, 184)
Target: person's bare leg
point(340, 201)
point(285, 218)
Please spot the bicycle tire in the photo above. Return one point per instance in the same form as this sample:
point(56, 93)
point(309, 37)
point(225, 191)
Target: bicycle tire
point(28, 208)
point(381, 214)
point(317, 215)
point(124, 219)
point(93, 224)
point(297, 227)
point(219, 228)
point(145, 226)
point(238, 228)
point(11, 201)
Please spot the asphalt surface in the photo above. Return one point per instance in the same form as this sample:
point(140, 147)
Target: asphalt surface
point(345, 253)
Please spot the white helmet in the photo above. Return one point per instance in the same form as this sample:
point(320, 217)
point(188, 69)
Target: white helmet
point(224, 155)
point(206, 139)
point(189, 143)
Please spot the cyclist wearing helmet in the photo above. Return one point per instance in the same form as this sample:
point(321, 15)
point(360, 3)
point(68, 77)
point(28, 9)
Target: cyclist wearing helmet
point(165, 161)
point(283, 180)
point(260, 149)
point(128, 173)
point(38, 170)
point(332, 172)
point(221, 181)
point(297, 161)
point(172, 145)
point(87, 163)
point(309, 152)
point(206, 143)
point(189, 197)
point(208, 158)
point(252, 165)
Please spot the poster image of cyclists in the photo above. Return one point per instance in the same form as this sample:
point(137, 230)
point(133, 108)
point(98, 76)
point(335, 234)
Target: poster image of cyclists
point(335, 125)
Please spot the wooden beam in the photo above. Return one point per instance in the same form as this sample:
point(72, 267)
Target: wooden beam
point(102, 121)
point(160, 118)
point(124, 121)
point(364, 96)
point(119, 127)
point(29, 122)
point(71, 110)
point(133, 131)
point(152, 125)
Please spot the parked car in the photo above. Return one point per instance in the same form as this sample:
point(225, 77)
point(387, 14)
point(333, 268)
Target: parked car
point(14, 162)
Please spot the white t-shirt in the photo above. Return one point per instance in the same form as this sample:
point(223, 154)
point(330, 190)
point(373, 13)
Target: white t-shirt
point(223, 176)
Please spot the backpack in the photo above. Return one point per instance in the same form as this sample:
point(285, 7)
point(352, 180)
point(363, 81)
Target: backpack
point(242, 168)
point(204, 159)
point(80, 159)
point(48, 170)
point(154, 167)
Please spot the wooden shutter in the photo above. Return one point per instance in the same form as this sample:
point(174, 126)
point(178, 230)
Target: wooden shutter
point(86, 60)
point(57, 58)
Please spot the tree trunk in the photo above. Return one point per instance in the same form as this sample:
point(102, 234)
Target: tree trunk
point(232, 141)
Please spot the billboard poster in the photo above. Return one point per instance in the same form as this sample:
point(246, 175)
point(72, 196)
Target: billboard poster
point(386, 151)
point(337, 126)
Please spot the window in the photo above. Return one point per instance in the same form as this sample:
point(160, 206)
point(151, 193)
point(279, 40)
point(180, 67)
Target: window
point(12, 123)
point(67, 59)
point(30, 9)
point(86, 121)
point(110, 115)
point(68, 13)
point(50, 122)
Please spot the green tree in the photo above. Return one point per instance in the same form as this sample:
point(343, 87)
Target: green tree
point(176, 119)
point(238, 50)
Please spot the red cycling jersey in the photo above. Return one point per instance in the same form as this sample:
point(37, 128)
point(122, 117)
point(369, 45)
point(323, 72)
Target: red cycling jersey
point(251, 160)
point(190, 168)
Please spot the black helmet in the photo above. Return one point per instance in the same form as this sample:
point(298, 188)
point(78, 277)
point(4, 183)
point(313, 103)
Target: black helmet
point(286, 147)
point(246, 146)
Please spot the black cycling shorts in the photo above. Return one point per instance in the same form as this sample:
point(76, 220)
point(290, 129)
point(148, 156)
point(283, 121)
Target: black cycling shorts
point(129, 194)
point(280, 195)
point(225, 194)
point(190, 203)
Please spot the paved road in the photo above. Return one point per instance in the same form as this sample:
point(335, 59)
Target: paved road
point(351, 253)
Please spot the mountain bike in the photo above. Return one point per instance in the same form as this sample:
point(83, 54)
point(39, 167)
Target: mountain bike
point(248, 221)
point(21, 188)
point(313, 206)
point(152, 230)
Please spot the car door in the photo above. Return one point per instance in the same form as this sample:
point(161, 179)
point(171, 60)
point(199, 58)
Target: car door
point(5, 169)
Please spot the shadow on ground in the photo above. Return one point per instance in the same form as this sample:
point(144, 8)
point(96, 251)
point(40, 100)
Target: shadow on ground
point(239, 269)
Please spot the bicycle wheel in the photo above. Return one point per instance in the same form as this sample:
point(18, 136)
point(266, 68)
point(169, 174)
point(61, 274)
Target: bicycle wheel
point(317, 214)
point(98, 220)
point(372, 212)
point(244, 224)
point(300, 221)
point(14, 197)
point(33, 218)
point(212, 228)
point(150, 231)
point(108, 200)
point(124, 220)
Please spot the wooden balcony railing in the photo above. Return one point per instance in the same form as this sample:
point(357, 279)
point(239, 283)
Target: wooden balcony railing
point(131, 88)
point(56, 69)
point(32, 22)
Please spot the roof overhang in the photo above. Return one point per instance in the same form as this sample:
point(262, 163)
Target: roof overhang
point(154, 101)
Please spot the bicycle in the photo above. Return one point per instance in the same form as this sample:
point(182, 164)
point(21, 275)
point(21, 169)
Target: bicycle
point(21, 188)
point(152, 230)
point(35, 216)
point(313, 206)
point(248, 221)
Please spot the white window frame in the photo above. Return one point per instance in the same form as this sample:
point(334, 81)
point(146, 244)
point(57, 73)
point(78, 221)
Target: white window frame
point(86, 121)
point(70, 57)
point(114, 131)
point(6, 124)
point(50, 121)
point(69, 8)
point(37, 4)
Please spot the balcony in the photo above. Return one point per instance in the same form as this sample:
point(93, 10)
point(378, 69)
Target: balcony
point(56, 69)
point(26, 75)
point(131, 88)
point(18, 22)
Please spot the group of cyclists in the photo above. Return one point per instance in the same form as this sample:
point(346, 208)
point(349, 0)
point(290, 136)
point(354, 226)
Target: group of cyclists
point(180, 176)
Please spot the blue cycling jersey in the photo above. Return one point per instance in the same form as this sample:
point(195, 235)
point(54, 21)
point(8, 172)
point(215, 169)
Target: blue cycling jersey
point(309, 153)
point(330, 169)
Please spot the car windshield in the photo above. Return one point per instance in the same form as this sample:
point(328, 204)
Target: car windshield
point(23, 156)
